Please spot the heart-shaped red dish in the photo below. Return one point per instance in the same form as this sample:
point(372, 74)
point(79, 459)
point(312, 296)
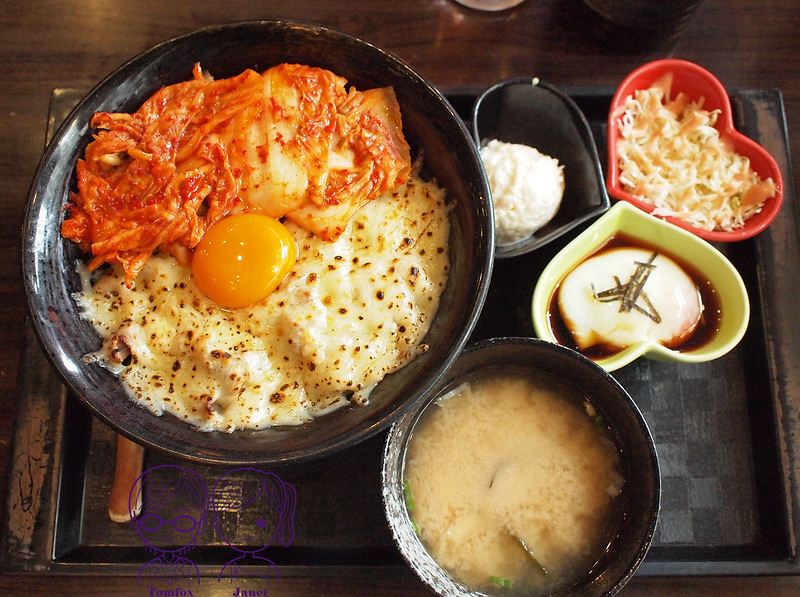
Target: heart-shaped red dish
point(696, 83)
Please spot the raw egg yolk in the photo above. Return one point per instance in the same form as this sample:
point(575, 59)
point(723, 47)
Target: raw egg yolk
point(242, 258)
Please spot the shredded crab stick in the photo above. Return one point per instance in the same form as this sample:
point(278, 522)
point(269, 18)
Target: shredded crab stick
point(670, 155)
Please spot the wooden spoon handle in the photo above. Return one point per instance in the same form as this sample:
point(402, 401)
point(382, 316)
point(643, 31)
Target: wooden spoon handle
point(130, 457)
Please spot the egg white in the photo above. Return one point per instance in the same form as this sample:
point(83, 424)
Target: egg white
point(671, 292)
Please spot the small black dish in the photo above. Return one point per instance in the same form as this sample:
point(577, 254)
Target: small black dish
point(534, 113)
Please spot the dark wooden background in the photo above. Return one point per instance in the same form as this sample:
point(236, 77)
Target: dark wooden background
point(46, 44)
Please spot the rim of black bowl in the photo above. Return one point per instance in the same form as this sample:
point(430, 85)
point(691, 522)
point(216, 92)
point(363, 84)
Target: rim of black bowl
point(547, 233)
point(47, 259)
point(401, 432)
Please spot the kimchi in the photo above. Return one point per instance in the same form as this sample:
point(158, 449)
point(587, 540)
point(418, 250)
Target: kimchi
point(293, 142)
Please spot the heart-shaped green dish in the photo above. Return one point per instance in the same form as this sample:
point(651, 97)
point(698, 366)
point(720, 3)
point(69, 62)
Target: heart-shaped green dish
point(732, 306)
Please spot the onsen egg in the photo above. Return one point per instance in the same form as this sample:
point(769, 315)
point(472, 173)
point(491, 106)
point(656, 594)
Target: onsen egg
point(663, 303)
point(242, 258)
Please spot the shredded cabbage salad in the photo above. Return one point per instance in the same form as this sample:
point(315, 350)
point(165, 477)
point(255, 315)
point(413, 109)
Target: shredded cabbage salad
point(671, 156)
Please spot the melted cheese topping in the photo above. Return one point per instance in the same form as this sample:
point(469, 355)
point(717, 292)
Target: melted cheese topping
point(350, 312)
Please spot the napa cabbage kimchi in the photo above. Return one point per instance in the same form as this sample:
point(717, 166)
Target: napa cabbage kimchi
point(293, 142)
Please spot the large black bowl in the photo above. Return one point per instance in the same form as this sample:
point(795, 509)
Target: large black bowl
point(432, 128)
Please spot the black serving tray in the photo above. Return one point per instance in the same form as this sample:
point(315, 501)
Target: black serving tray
point(726, 431)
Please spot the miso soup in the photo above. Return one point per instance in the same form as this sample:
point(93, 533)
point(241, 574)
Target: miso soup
point(511, 481)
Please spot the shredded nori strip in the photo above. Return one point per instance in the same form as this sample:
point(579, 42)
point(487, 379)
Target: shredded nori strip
point(628, 294)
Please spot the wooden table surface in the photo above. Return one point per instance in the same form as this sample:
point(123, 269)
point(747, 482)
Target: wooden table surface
point(45, 44)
